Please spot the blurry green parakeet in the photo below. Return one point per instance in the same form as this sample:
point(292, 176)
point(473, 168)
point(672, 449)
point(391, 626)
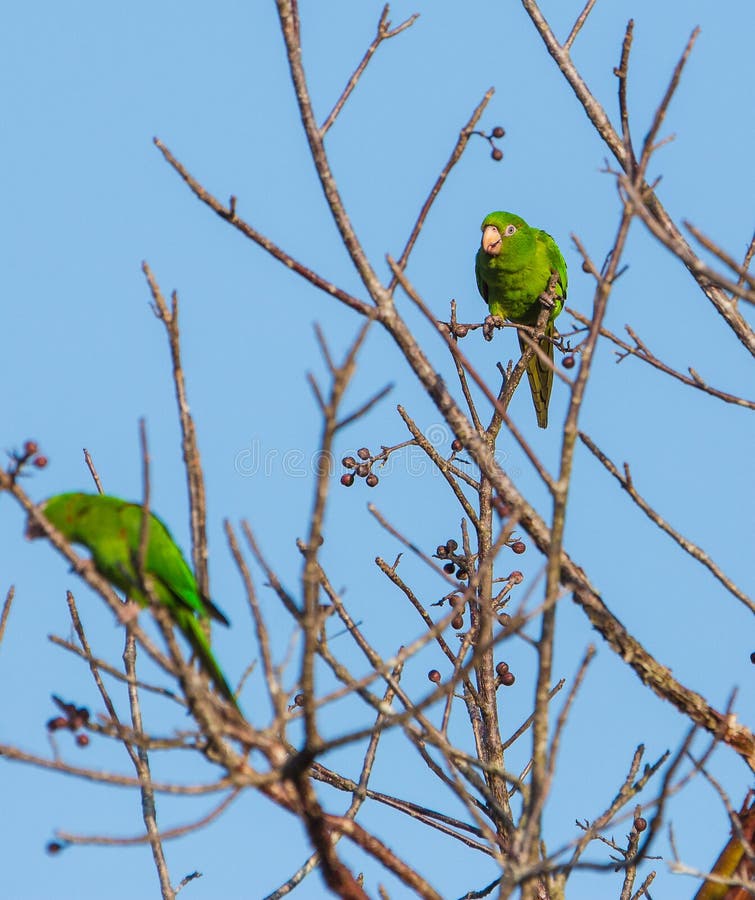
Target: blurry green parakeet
point(513, 267)
point(111, 529)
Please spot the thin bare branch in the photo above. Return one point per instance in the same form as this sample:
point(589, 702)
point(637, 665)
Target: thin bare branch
point(642, 352)
point(384, 32)
point(694, 551)
point(229, 214)
point(93, 471)
point(6, 610)
point(456, 154)
point(577, 27)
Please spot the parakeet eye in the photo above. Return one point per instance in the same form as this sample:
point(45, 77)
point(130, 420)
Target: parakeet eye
point(510, 229)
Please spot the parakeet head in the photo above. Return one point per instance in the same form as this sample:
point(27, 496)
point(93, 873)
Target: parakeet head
point(60, 510)
point(33, 528)
point(504, 233)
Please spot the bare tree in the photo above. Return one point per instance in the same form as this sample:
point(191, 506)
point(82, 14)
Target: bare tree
point(458, 727)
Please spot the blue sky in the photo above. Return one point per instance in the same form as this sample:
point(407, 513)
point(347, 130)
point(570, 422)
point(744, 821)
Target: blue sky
point(87, 197)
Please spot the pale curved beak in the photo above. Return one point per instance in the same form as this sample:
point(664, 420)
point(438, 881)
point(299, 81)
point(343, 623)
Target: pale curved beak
point(491, 240)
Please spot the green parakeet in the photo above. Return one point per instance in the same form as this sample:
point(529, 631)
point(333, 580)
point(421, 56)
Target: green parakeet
point(110, 529)
point(513, 267)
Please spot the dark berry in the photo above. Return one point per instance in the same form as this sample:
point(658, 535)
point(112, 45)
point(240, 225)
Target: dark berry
point(516, 577)
point(508, 679)
point(363, 470)
point(502, 668)
point(451, 545)
point(30, 448)
point(752, 658)
point(441, 551)
point(497, 154)
point(456, 445)
point(450, 568)
point(462, 574)
point(299, 700)
point(586, 267)
point(568, 362)
point(56, 723)
point(363, 453)
point(457, 622)
point(40, 461)
point(349, 462)
point(518, 546)
point(54, 847)
point(434, 675)
point(372, 480)
point(498, 132)
point(504, 619)
point(347, 479)
point(82, 740)
point(640, 824)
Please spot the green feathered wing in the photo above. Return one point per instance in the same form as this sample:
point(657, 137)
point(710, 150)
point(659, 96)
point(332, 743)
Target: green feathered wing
point(511, 280)
point(110, 528)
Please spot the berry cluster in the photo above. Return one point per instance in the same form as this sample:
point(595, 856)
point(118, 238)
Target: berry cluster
point(458, 604)
point(73, 718)
point(456, 563)
point(361, 469)
point(29, 454)
point(504, 676)
point(497, 133)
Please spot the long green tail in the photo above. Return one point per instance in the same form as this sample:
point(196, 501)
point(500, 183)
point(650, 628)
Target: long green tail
point(191, 628)
point(540, 376)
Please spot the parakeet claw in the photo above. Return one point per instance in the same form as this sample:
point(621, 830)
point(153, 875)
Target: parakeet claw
point(489, 326)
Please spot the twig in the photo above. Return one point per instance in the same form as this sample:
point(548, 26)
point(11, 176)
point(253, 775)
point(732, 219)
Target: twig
point(443, 467)
point(641, 351)
point(456, 154)
point(10, 752)
point(93, 471)
point(103, 666)
point(673, 241)
point(229, 214)
point(649, 144)
point(622, 73)
point(274, 688)
point(189, 446)
point(384, 32)
point(581, 19)
point(741, 271)
point(6, 610)
point(168, 834)
point(694, 551)
point(149, 811)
